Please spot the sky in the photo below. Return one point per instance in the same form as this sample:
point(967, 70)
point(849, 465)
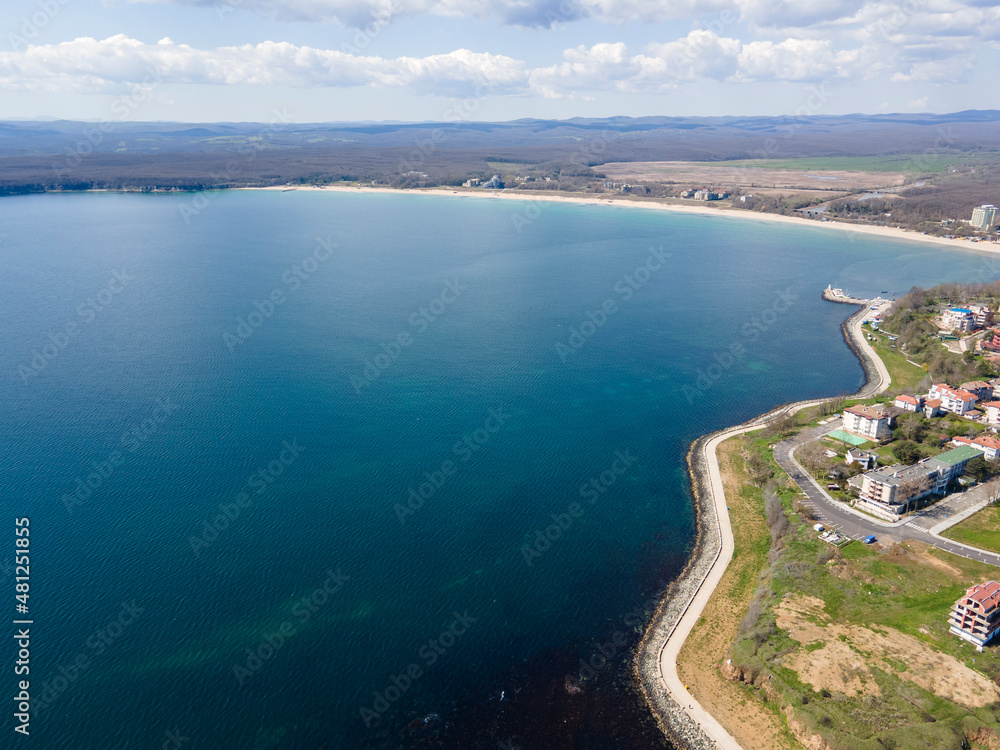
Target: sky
point(475, 60)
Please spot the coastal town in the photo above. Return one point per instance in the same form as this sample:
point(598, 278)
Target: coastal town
point(900, 482)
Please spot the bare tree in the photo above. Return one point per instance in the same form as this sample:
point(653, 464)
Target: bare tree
point(910, 489)
point(777, 521)
point(913, 427)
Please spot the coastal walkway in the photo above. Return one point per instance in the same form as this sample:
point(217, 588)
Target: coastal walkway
point(680, 715)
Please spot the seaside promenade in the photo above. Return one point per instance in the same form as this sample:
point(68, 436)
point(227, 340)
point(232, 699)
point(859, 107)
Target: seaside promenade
point(678, 712)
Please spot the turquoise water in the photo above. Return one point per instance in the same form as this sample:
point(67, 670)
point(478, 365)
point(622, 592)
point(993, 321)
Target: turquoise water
point(388, 488)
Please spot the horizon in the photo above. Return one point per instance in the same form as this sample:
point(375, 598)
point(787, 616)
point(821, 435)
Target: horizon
point(52, 119)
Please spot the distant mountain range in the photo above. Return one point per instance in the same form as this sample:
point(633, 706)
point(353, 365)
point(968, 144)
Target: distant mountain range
point(49, 154)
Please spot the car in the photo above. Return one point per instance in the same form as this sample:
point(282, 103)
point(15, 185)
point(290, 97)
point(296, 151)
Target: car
point(869, 539)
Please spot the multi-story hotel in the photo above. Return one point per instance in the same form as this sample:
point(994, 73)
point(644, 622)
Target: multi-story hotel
point(976, 616)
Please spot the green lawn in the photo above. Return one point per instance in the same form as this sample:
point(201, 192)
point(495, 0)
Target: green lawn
point(905, 376)
point(980, 530)
point(910, 589)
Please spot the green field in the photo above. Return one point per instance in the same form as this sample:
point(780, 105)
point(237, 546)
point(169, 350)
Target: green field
point(915, 163)
point(909, 588)
point(980, 530)
point(905, 376)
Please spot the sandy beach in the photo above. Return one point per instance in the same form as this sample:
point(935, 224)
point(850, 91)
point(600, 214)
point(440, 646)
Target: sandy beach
point(657, 205)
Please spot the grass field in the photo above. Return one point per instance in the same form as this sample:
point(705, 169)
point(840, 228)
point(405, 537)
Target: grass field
point(755, 725)
point(980, 530)
point(910, 163)
point(862, 657)
point(905, 376)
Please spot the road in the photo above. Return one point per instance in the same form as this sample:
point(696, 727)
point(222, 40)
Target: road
point(925, 526)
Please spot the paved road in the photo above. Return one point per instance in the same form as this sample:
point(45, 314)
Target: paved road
point(925, 526)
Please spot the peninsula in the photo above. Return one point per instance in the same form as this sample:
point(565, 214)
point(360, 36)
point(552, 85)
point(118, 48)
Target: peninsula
point(771, 616)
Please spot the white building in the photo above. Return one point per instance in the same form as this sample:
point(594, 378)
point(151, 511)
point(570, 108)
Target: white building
point(873, 422)
point(982, 315)
point(909, 403)
point(958, 319)
point(984, 217)
point(988, 446)
point(953, 399)
point(992, 409)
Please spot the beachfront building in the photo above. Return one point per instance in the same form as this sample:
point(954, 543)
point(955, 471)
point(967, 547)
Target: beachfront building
point(982, 316)
point(984, 217)
point(988, 446)
point(872, 422)
point(958, 319)
point(981, 390)
point(890, 492)
point(909, 403)
point(976, 616)
point(954, 400)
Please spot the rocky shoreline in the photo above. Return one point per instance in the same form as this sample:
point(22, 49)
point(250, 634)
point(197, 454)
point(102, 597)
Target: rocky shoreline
point(674, 720)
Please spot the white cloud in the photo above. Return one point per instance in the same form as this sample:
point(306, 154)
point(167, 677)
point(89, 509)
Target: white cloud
point(790, 60)
point(119, 64)
point(946, 70)
point(114, 64)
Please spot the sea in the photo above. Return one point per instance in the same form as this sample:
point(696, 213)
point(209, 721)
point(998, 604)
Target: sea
point(316, 469)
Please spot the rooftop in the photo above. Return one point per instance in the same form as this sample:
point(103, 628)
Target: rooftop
point(985, 594)
point(899, 473)
point(868, 412)
point(956, 455)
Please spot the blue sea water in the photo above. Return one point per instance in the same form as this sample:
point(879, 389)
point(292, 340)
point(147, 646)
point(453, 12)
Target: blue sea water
point(311, 470)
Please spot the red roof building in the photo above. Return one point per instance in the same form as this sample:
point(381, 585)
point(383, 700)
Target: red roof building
point(976, 616)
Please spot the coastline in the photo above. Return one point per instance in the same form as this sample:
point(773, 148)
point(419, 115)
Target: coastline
point(537, 196)
point(655, 663)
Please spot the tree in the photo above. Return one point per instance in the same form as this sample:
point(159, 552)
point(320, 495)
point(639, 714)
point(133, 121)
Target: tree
point(910, 489)
point(906, 452)
point(813, 457)
point(913, 427)
point(979, 468)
